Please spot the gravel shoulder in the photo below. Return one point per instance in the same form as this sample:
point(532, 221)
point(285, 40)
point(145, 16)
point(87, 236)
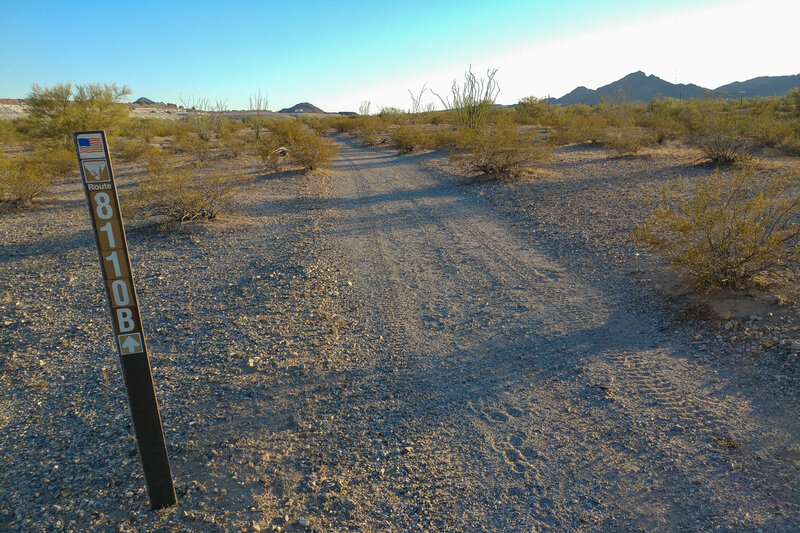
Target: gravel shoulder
point(392, 346)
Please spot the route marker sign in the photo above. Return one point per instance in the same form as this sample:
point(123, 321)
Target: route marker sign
point(101, 192)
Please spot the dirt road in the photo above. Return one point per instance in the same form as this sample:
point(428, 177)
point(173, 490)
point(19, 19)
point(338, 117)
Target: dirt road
point(388, 347)
point(510, 391)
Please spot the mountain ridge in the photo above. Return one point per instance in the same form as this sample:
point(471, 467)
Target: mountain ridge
point(640, 87)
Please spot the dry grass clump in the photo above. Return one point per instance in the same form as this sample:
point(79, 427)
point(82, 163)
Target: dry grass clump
point(730, 228)
point(182, 192)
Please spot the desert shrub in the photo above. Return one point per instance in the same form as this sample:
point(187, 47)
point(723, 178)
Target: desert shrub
point(663, 119)
point(502, 150)
point(56, 161)
point(369, 129)
point(311, 150)
point(188, 143)
point(459, 139)
point(59, 110)
point(580, 124)
point(283, 129)
point(793, 99)
point(344, 124)
point(130, 150)
point(627, 140)
point(272, 152)
point(233, 146)
point(393, 115)
point(181, 192)
point(8, 132)
point(21, 180)
point(729, 229)
point(410, 138)
point(720, 132)
point(532, 110)
point(471, 101)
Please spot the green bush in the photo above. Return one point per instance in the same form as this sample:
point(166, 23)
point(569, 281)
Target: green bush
point(730, 229)
point(21, 180)
point(793, 98)
point(59, 110)
point(57, 162)
point(503, 150)
point(532, 110)
point(663, 117)
point(577, 125)
point(410, 138)
point(233, 146)
point(189, 143)
point(310, 150)
point(8, 132)
point(130, 150)
point(272, 152)
point(627, 140)
point(720, 132)
point(181, 192)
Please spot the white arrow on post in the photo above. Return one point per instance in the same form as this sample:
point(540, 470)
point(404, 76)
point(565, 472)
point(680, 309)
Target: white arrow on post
point(130, 345)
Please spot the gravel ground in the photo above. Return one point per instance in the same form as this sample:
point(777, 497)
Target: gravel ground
point(391, 345)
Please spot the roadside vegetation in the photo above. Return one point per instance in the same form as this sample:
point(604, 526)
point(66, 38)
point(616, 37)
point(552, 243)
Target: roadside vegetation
point(720, 233)
point(730, 229)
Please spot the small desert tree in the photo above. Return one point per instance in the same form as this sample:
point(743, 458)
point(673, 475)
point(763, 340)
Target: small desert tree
point(59, 110)
point(472, 101)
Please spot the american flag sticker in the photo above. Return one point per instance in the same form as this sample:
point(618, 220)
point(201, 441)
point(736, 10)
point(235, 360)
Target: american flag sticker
point(91, 146)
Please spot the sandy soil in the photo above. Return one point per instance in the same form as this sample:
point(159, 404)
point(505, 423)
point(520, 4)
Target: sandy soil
point(393, 346)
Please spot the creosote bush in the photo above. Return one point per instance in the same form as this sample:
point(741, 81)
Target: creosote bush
point(304, 146)
point(626, 140)
point(22, 180)
point(130, 150)
point(181, 192)
point(310, 150)
point(272, 152)
point(720, 132)
point(410, 138)
point(502, 150)
point(730, 228)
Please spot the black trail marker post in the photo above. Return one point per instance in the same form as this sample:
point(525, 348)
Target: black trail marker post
point(101, 193)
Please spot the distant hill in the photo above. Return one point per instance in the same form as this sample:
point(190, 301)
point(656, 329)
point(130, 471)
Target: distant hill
point(146, 101)
point(761, 86)
point(639, 87)
point(635, 87)
point(302, 107)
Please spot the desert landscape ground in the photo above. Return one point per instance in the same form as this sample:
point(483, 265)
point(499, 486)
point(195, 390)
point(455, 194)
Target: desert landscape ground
point(395, 343)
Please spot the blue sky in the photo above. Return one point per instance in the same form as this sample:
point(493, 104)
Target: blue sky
point(338, 54)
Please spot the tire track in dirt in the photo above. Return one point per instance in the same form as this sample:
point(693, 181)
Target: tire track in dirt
point(533, 398)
